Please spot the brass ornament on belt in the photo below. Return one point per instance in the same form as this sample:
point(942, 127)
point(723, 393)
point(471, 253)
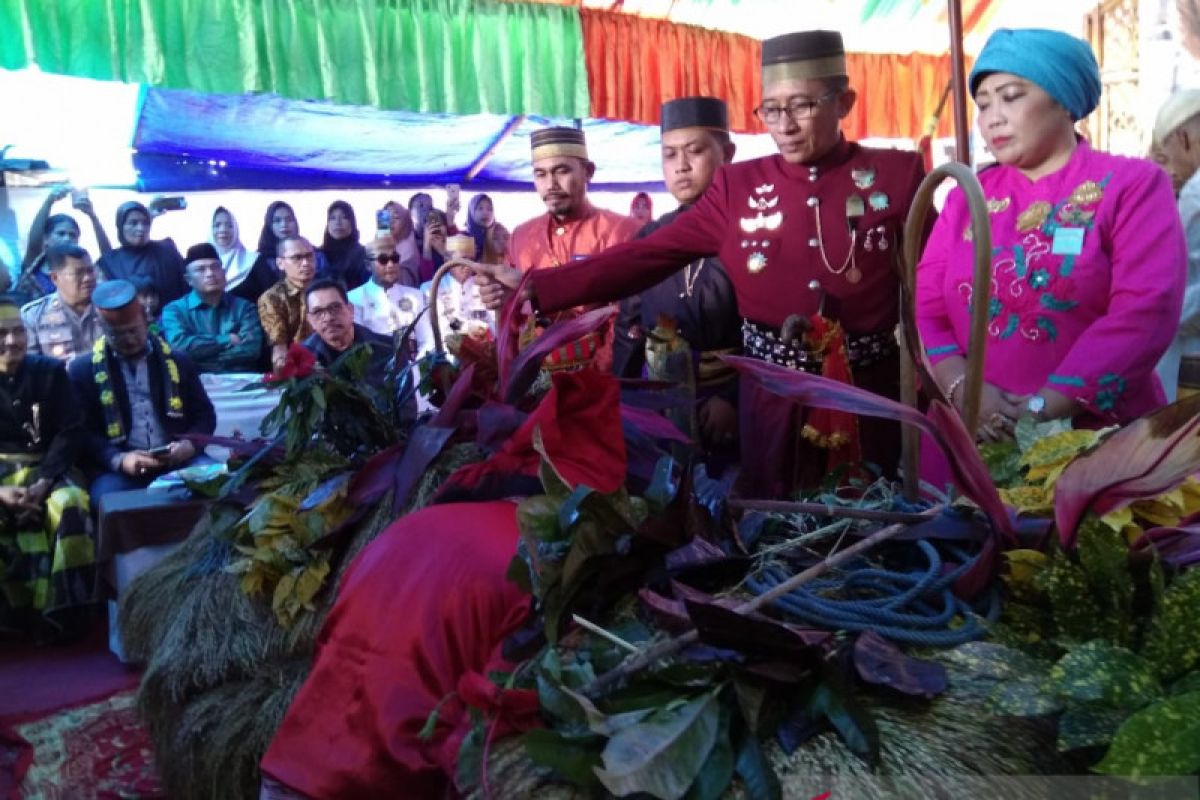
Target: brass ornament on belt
point(1087, 193)
point(1034, 217)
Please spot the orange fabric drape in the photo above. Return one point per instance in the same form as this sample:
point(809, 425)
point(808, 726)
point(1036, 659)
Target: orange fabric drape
point(635, 64)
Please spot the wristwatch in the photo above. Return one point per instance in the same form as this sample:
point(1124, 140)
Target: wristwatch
point(1036, 406)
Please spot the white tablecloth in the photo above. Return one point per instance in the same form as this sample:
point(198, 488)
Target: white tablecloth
point(238, 411)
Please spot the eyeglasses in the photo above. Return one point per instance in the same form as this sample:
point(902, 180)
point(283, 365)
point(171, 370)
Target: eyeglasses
point(384, 258)
point(796, 109)
point(300, 258)
point(327, 312)
point(79, 274)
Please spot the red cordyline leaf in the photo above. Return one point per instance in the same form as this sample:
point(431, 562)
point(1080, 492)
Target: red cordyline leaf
point(1179, 547)
point(525, 367)
point(1147, 457)
point(942, 424)
point(651, 424)
point(508, 342)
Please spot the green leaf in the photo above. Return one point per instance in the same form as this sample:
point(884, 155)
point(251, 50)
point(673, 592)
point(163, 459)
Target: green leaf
point(556, 701)
point(608, 724)
point(1003, 461)
point(663, 754)
point(318, 397)
point(1188, 683)
point(1173, 642)
point(1076, 615)
point(717, 771)
point(750, 699)
point(572, 757)
point(1028, 430)
point(470, 757)
point(518, 573)
point(537, 516)
point(757, 776)
point(1088, 726)
point(1162, 739)
point(833, 699)
point(1024, 697)
point(1098, 672)
point(1104, 555)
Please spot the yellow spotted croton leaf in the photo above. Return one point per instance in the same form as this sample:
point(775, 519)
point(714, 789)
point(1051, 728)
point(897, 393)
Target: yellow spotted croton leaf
point(1034, 500)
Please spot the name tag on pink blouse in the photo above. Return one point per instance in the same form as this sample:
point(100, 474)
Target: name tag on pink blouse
point(1067, 242)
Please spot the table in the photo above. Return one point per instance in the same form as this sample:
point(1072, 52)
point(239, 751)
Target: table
point(238, 410)
point(136, 530)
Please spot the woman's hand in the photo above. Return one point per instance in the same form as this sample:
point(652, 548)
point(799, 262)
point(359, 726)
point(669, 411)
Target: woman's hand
point(998, 413)
point(435, 238)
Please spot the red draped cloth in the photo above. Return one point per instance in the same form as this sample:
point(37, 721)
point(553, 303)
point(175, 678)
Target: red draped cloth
point(421, 616)
point(393, 647)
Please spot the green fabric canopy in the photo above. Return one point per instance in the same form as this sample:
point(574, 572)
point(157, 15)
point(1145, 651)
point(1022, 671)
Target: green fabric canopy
point(432, 56)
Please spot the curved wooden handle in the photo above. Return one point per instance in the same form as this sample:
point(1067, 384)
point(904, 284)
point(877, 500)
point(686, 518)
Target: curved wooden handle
point(981, 294)
point(434, 320)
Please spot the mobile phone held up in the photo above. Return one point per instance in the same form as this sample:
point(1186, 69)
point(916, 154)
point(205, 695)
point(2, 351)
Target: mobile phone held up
point(159, 452)
point(383, 219)
point(176, 203)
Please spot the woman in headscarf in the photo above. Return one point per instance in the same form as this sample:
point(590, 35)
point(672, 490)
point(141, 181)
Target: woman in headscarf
point(244, 276)
point(345, 256)
point(138, 257)
point(641, 208)
point(48, 230)
point(1088, 262)
point(400, 225)
point(279, 223)
point(481, 216)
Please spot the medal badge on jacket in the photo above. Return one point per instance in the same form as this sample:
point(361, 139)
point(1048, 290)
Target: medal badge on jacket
point(766, 219)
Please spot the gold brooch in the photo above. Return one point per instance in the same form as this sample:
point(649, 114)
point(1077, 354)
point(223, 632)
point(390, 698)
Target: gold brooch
point(995, 206)
point(1087, 193)
point(1034, 217)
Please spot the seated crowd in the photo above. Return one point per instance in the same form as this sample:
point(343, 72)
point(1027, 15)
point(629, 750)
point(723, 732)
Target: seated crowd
point(101, 360)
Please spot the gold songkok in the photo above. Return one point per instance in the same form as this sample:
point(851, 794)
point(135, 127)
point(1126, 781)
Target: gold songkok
point(556, 142)
point(805, 55)
point(460, 246)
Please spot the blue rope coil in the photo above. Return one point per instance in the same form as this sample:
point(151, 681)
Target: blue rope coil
point(910, 606)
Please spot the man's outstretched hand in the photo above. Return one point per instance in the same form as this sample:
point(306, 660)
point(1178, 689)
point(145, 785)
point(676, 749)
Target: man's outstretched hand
point(496, 282)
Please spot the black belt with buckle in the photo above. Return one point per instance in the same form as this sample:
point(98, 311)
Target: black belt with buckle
point(764, 342)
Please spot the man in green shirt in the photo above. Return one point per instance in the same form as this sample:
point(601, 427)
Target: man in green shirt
point(219, 331)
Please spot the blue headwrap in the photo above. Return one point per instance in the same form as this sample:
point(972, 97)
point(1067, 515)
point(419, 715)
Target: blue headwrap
point(1062, 65)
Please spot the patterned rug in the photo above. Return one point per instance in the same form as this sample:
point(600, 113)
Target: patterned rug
point(93, 751)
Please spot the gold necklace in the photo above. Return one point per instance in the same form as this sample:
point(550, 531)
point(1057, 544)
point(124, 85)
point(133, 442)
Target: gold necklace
point(855, 274)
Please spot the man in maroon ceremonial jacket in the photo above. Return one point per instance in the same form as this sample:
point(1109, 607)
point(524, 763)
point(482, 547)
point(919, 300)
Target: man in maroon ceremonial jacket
point(570, 230)
point(813, 229)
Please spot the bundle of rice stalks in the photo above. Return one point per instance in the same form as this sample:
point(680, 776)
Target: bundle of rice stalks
point(219, 737)
point(146, 604)
point(220, 670)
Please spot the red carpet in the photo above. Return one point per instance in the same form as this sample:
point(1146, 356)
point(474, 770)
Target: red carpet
point(42, 679)
point(35, 683)
point(90, 751)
